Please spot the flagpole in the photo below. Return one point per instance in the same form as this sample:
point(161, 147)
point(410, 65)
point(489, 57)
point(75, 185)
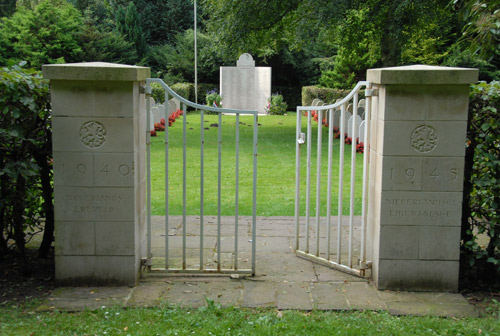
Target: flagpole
point(195, 58)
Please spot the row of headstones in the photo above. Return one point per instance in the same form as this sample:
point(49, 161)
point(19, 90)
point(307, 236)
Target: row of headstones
point(158, 111)
point(349, 120)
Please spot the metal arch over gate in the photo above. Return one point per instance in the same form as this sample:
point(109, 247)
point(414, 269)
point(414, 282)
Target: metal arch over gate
point(169, 93)
point(325, 256)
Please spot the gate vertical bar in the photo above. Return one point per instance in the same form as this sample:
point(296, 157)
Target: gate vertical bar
point(297, 177)
point(308, 179)
point(148, 160)
point(329, 186)
point(219, 190)
point(184, 193)
point(341, 184)
point(236, 200)
point(353, 175)
point(167, 114)
point(318, 179)
point(254, 200)
point(202, 184)
point(365, 178)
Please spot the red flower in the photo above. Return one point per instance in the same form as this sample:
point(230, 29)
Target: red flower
point(162, 121)
point(348, 141)
point(360, 148)
point(153, 133)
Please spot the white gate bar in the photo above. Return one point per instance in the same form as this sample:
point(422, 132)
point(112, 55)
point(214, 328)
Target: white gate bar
point(366, 154)
point(202, 184)
point(308, 179)
point(299, 141)
point(148, 182)
point(254, 209)
point(329, 263)
point(353, 174)
point(329, 183)
point(219, 190)
point(341, 183)
point(318, 180)
point(236, 196)
point(167, 114)
point(184, 193)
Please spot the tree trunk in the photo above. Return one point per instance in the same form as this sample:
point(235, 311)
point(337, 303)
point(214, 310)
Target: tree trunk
point(466, 228)
point(48, 233)
point(3, 242)
point(17, 214)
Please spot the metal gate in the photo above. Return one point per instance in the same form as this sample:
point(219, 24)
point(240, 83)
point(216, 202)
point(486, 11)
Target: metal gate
point(347, 251)
point(184, 266)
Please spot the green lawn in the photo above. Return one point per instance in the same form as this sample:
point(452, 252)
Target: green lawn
point(214, 320)
point(276, 168)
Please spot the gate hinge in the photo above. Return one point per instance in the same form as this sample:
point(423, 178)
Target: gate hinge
point(365, 265)
point(371, 92)
point(147, 262)
point(145, 89)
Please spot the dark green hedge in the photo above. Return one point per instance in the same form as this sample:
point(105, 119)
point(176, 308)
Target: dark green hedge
point(186, 90)
point(309, 93)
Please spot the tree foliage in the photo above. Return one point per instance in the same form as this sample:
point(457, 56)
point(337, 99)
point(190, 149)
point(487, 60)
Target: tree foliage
point(481, 211)
point(128, 24)
point(26, 151)
point(45, 34)
point(100, 43)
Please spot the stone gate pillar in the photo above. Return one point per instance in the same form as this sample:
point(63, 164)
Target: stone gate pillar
point(416, 175)
point(98, 123)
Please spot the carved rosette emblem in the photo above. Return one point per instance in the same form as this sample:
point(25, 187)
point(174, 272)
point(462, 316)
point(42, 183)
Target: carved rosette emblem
point(424, 139)
point(93, 134)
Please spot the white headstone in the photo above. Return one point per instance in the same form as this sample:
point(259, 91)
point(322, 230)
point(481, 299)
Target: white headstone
point(245, 86)
point(356, 120)
point(361, 108)
point(152, 101)
point(172, 106)
point(155, 117)
point(362, 131)
point(161, 108)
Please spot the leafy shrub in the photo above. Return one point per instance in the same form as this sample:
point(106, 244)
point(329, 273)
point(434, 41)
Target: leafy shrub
point(481, 210)
point(276, 105)
point(25, 164)
point(185, 90)
point(329, 96)
point(291, 94)
point(213, 98)
point(158, 93)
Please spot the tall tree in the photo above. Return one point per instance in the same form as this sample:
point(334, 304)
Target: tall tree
point(128, 24)
point(45, 34)
point(100, 43)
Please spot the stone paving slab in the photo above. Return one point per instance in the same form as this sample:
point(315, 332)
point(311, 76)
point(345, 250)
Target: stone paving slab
point(283, 281)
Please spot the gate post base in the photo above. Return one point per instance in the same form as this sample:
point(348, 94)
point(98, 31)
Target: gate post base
point(99, 136)
point(419, 125)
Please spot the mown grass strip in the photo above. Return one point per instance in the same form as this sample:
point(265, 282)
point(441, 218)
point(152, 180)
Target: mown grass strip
point(215, 320)
point(276, 168)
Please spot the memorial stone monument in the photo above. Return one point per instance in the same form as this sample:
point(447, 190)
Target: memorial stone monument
point(417, 153)
point(245, 87)
point(99, 146)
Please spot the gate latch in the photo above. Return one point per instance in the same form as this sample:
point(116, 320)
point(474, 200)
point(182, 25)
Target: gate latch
point(302, 139)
